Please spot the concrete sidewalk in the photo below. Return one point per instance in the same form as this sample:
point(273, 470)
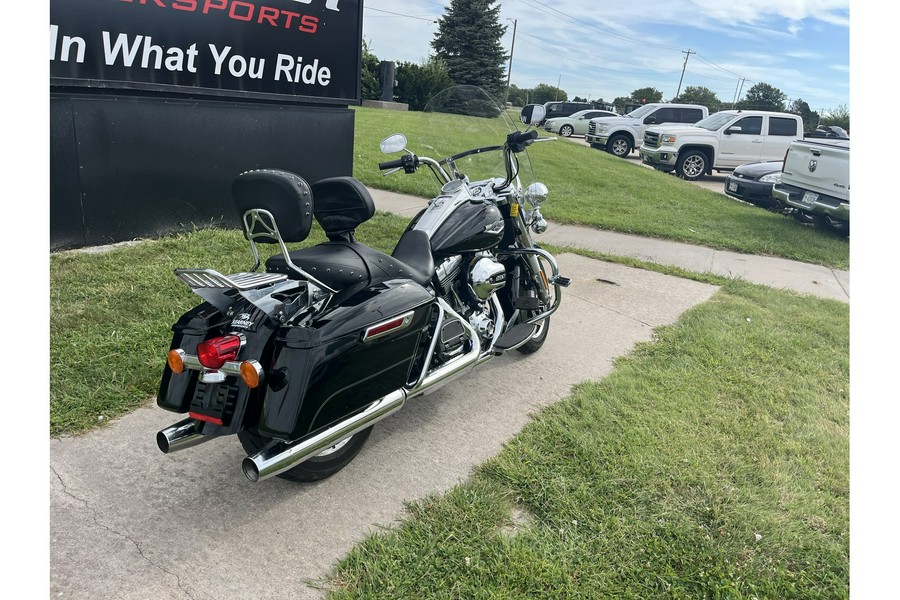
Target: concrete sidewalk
point(774, 272)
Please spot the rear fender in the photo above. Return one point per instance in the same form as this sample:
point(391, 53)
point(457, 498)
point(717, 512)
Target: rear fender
point(230, 400)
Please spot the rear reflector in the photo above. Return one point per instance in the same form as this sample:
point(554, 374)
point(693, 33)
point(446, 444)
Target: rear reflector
point(376, 331)
point(207, 418)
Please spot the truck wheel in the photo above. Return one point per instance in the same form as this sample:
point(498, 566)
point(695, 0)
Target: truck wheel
point(566, 130)
point(691, 165)
point(619, 145)
point(823, 223)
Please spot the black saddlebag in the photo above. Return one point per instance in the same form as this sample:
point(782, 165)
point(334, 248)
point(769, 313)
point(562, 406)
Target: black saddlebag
point(349, 356)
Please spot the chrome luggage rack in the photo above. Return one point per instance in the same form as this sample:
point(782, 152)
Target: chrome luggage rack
point(210, 278)
point(273, 293)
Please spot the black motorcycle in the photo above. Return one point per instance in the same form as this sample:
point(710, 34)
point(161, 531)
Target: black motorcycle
point(301, 358)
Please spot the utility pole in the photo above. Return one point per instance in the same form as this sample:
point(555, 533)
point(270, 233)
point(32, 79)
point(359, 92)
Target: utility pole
point(687, 55)
point(512, 49)
point(558, 81)
point(737, 91)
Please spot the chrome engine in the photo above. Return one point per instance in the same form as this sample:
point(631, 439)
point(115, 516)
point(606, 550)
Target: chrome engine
point(486, 276)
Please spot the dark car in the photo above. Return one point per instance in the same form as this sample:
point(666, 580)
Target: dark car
point(830, 132)
point(556, 110)
point(753, 182)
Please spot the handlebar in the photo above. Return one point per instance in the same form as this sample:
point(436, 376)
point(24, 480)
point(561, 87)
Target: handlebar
point(518, 140)
point(515, 142)
point(391, 164)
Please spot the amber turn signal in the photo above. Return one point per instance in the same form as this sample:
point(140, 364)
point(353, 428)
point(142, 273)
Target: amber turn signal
point(251, 373)
point(175, 358)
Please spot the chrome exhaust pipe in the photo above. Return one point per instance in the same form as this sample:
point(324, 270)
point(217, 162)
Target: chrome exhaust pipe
point(181, 435)
point(454, 367)
point(278, 458)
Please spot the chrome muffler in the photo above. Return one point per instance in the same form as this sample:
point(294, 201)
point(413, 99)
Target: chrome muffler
point(181, 435)
point(280, 457)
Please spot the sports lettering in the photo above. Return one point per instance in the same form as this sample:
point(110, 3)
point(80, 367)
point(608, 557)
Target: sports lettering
point(248, 12)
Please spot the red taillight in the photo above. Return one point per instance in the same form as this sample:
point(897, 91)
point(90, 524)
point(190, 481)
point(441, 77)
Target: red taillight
point(214, 353)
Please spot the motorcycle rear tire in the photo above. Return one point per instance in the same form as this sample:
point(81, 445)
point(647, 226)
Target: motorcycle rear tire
point(320, 466)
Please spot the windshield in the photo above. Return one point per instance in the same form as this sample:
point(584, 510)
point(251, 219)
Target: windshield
point(715, 121)
point(462, 118)
point(640, 112)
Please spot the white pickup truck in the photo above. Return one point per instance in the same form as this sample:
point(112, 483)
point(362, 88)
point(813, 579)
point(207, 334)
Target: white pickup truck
point(815, 181)
point(620, 135)
point(722, 141)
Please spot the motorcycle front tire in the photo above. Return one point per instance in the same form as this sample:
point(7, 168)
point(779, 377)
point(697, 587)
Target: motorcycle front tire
point(537, 340)
point(322, 465)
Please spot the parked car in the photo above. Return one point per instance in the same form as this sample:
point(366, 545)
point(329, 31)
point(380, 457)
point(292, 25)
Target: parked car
point(576, 124)
point(753, 182)
point(829, 132)
point(553, 110)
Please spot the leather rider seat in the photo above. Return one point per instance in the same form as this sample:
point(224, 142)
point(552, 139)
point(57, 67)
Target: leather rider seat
point(340, 205)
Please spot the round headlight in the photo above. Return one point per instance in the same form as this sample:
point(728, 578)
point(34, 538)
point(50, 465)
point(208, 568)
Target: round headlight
point(536, 193)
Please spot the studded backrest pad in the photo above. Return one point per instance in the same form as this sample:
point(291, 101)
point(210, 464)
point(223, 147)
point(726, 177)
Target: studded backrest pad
point(342, 203)
point(286, 195)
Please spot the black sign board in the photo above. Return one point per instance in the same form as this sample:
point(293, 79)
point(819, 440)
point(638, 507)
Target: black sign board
point(286, 50)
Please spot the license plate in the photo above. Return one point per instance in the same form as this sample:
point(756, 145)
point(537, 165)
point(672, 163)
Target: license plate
point(732, 186)
point(809, 197)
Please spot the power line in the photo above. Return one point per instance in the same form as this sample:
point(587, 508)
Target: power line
point(593, 66)
point(578, 21)
point(429, 19)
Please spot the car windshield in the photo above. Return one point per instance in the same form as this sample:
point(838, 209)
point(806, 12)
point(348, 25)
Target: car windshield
point(640, 112)
point(580, 113)
point(715, 121)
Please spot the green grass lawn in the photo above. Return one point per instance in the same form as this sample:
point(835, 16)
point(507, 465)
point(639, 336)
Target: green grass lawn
point(712, 463)
point(592, 188)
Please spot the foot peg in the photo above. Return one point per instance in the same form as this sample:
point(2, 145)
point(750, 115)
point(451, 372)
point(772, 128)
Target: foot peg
point(515, 337)
point(560, 281)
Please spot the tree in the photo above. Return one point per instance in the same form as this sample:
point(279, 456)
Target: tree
point(763, 96)
point(839, 116)
point(468, 40)
point(417, 84)
point(518, 96)
point(369, 74)
point(544, 92)
point(809, 116)
point(646, 95)
point(699, 95)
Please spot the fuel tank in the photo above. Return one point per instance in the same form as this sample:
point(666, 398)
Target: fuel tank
point(458, 222)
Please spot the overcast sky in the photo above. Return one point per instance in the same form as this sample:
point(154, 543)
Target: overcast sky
point(605, 50)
